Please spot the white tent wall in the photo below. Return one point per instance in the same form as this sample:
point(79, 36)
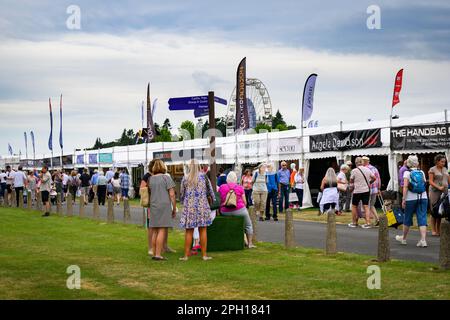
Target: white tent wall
point(307, 199)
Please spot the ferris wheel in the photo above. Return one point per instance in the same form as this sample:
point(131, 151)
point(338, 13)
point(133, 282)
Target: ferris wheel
point(258, 103)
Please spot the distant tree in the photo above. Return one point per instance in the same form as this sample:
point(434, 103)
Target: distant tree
point(167, 124)
point(291, 127)
point(98, 144)
point(189, 127)
point(164, 136)
point(281, 127)
point(221, 125)
point(278, 119)
point(262, 126)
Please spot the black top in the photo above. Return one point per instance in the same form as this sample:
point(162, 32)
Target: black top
point(85, 180)
point(332, 185)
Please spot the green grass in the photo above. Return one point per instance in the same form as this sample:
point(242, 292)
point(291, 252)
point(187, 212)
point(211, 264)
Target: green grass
point(35, 252)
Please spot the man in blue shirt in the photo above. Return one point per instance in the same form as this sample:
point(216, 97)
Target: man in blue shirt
point(283, 191)
point(94, 180)
point(272, 189)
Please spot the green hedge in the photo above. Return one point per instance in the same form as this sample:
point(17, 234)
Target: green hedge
point(226, 234)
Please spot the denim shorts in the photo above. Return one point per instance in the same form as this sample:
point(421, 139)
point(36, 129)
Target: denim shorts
point(125, 193)
point(420, 208)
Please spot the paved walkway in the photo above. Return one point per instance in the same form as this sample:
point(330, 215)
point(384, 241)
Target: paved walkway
point(312, 235)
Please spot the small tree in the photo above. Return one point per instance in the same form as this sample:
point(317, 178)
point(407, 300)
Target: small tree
point(278, 119)
point(189, 127)
point(262, 126)
point(167, 124)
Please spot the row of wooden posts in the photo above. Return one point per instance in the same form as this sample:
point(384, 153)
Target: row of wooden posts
point(69, 206)
point(384, 250)
point(289, 239)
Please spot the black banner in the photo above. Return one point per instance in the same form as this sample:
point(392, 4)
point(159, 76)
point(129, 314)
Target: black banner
point(345, 140)
point(431, 136)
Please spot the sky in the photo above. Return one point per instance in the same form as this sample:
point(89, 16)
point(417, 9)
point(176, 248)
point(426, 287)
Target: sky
point(187, 48)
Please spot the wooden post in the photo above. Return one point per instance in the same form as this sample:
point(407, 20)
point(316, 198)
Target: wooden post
point(69, 205)
point(254, 219)
point(110, 210)
point(58, 204)
point(331, 247)
point(81, 206)
point(96, 212)
point(29, 200)
point(21, 199)
point(5, 199)
point(13, 203)
point(384, 250)
point(126, 211)
point(444, 251)
point(289, 238)
point(212, 139)
point(39, 202)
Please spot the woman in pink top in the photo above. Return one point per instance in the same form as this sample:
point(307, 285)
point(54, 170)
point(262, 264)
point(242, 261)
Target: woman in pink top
point(247, 183)
point(240, 209)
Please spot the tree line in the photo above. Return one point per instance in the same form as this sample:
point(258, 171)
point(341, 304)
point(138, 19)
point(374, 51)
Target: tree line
point(164, 134)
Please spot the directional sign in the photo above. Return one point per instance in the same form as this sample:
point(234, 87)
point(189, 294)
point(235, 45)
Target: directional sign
point(201, 112)
point(192, 103)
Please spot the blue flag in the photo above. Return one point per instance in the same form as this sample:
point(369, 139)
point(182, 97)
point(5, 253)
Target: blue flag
point(10, 150)
point(50, 139)
point(60, 124)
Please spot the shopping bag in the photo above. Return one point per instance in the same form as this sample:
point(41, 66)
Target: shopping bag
point(145, 197)
point(293, 197)
point(395, 217)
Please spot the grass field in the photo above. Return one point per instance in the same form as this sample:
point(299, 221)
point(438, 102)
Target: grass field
point(35, 253)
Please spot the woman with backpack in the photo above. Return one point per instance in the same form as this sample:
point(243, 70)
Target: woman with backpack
point(73, 184)
point(439, 180)
point(414, 201)
point(260, 191)
point(232, 203)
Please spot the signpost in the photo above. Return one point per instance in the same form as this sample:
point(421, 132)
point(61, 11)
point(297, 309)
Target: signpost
point(202, 106)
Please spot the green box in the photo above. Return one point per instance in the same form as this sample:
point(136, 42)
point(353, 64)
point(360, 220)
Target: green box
point(226, 234)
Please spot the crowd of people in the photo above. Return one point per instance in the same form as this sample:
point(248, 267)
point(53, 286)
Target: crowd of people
point(49, 185)
point(354, 188)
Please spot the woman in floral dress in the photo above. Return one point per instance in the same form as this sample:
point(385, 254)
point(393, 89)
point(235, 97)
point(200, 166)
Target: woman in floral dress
point(195, 191)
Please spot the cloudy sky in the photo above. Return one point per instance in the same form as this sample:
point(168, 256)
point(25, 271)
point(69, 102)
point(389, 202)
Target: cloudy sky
point(188, 47)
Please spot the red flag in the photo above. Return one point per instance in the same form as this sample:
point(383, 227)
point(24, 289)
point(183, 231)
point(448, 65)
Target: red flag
point(397, 87)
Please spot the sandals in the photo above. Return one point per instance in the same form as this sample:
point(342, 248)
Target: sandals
point(206, 258)
point(183, 259)
point(159, 258)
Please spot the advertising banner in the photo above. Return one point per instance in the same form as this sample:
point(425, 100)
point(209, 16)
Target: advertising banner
point(432, 136)
point(105, 158)
point(345, 140)
point(93, 158)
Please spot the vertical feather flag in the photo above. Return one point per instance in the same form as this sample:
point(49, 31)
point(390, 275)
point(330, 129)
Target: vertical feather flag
point(154, 108)
point(10, 150)
point(151, 134)
point(397, 87)
point(32, 143)
point(142, 114)
point(308, 97)
point(60, 124)
point(242, 119)
point(50, 138)
point(26, 144)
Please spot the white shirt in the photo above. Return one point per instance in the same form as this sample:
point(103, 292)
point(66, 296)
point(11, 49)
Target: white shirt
point(341, 177)
point(3, 177)
point(9, 174)
point(19, 178)
point(411, 196)
point(65, 179)
point(298, 181)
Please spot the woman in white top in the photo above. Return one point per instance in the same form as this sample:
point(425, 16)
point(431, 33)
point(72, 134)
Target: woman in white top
point(115, 181)
point(414, 202)
point(330, 195)
point(260, 191)
point(342, 186)
point(299, 181)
